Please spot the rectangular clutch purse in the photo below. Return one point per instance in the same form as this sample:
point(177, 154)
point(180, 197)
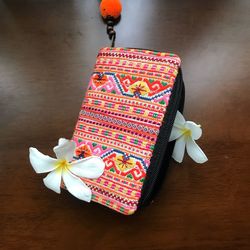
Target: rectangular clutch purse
point(126, 119)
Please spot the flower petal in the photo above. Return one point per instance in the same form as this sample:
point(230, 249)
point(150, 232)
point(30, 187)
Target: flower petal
point(195, 152)
point(195, 129)
point(179, 149)
point(76, 186)
point(90, 167)
point(179, 119)
point(65, 149)
point(40, 162)
point(53, 180)
point(175, 133)
point(62, 141)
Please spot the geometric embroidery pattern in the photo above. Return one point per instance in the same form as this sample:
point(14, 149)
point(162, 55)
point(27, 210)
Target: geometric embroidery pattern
point(120, 118)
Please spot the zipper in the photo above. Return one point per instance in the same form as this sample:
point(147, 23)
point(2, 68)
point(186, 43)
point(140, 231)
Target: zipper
point(162, 146)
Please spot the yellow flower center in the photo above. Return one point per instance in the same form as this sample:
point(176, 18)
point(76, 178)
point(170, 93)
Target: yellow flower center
point(62, 165)
point(186, 132)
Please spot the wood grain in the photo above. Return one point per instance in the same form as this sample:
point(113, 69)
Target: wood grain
point(47, 52)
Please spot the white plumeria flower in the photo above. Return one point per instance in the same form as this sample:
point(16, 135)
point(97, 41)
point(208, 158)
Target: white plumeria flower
point(185, 133)
point(63, 169)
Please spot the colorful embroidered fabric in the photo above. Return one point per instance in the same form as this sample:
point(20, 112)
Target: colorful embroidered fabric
point(120, 119)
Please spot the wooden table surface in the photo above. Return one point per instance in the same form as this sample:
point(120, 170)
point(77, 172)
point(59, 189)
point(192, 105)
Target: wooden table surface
point(47, 53)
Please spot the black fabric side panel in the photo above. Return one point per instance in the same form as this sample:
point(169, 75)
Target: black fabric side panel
point(163, 150)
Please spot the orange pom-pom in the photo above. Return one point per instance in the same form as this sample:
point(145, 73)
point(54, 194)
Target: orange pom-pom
point(111, 8)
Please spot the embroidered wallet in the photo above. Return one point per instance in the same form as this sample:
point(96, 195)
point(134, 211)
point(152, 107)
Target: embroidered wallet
point(126, 119)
